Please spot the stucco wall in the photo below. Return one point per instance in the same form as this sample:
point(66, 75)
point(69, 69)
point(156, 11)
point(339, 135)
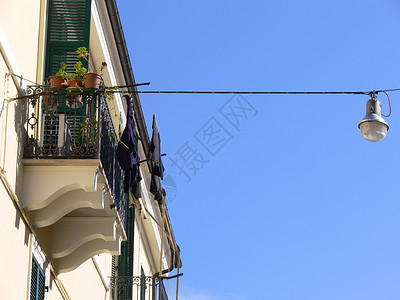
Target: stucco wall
point(20, 40)
point(84, 282)
point(15, 250)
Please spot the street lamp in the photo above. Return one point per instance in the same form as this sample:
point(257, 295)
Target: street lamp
point(373, 127)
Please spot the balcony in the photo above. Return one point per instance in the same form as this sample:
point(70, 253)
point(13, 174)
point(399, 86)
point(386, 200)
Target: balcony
point(123, 286)
point(73, 185)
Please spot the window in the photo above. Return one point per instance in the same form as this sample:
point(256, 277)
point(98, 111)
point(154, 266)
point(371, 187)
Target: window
point(37, 281)
point(124, 267)
point(68, 28)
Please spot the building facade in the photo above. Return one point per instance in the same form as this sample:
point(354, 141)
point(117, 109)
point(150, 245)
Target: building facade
point(70, 227)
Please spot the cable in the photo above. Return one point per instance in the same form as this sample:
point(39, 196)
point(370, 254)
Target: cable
point(253, 92)
point(389, 90)
point(390, 106)
point(24, 78)
point(234, 92)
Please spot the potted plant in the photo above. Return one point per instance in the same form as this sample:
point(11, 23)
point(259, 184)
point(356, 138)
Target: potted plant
point(75, 85)
point(91, 79)
point(75, 79)
point(58, 80)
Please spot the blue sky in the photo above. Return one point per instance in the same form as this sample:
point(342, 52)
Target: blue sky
point(290, 202)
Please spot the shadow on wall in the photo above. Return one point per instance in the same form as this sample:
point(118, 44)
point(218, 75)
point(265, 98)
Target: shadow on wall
point(20, 113)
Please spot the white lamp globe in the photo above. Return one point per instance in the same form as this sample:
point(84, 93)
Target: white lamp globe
point(374, 131)
point(373, 127)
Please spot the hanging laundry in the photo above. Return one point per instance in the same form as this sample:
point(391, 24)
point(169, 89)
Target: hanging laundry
point(156, 189)
point(127, 153)
point(157, 167)
point(137, 188)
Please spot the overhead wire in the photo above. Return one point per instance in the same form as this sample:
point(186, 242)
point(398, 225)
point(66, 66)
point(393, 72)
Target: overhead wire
point(252, 92)
point(256, 92)
point(389, 90)
point(22, 78)
point(390, 105)
point(110, 90)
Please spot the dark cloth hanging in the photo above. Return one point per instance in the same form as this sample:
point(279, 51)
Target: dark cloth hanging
point(127, 154)
point(156, 189)
point(136, 188)
point(157, 167)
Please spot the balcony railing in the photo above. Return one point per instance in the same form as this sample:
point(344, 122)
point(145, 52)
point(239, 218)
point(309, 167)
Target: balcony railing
point(64, 124)
point(123, 283)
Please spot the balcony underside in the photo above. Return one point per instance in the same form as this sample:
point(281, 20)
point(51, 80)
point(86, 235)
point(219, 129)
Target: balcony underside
point(69, 202)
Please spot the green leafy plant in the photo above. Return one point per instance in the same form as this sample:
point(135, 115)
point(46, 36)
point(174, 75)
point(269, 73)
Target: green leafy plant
point(84, 53)
point(109, 92)
point(80, 70)
point(61, 72)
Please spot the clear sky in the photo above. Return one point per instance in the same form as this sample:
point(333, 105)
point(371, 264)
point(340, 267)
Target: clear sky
point(277, 197)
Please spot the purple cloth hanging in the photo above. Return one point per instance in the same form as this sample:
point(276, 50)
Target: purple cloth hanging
point(127, 154)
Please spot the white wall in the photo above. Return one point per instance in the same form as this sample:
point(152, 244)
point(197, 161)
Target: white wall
point(19, 41)
point(19, 47)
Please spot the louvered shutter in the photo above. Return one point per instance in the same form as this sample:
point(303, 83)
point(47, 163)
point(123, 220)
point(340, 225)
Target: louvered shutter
point(130, 233)
point(68, 29)
point(125, 262)
point(34, 280)
point(41, 285)
point(38, 281)
point(113, 275)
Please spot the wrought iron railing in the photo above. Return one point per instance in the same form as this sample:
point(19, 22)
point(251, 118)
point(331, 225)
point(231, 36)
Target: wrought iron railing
point(74, 125)
point(122, 283)
point(118, 281)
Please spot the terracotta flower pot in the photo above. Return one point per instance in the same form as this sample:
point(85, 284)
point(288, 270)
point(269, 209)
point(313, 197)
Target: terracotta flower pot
point(91, 80)
point(74, 83)
point(56, 82)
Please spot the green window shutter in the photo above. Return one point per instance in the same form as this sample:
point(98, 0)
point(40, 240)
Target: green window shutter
point(113, 274)
point(125, 260)
point(130, 234)
point(37, 281)
point(68, 29)
point(41, 285)
point(34, 280)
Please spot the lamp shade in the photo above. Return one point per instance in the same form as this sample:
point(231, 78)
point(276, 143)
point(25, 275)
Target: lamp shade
point(373, 127)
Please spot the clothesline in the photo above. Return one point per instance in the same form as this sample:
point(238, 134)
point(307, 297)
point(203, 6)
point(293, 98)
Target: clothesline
point(147, 159)
point(117, 90)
